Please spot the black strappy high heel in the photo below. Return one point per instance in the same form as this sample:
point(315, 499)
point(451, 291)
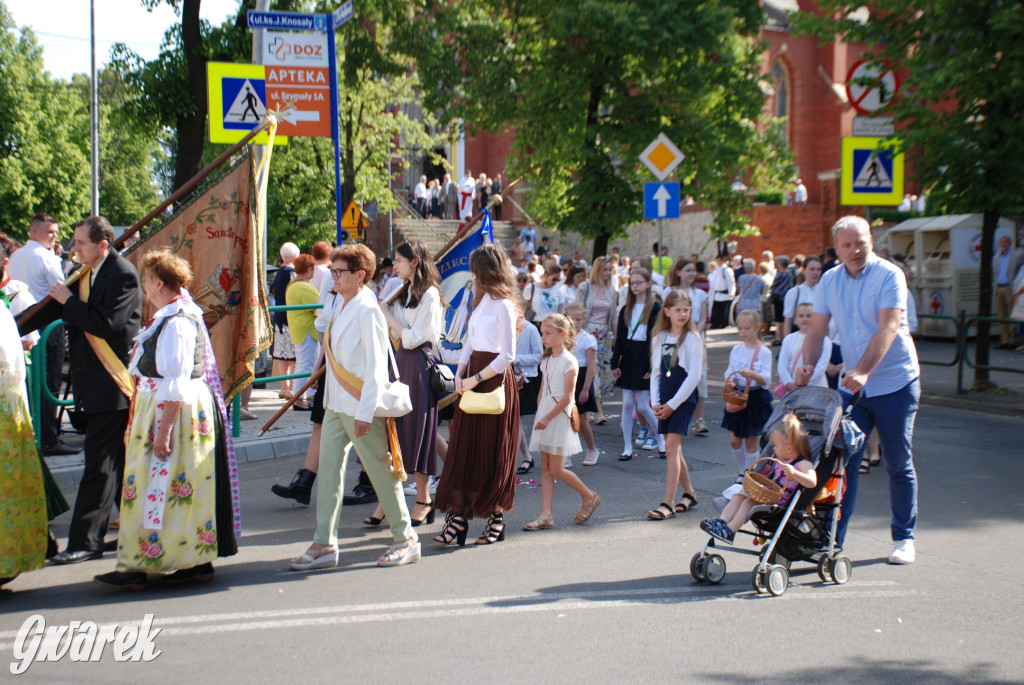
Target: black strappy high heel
point(427, 517)
point(495, 530)
point(455, 528)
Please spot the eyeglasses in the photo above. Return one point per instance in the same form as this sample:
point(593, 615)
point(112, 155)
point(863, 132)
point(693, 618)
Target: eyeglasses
point(336, 273)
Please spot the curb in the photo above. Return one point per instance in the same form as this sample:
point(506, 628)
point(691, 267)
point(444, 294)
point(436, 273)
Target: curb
point(972, 405)
point(69, 476)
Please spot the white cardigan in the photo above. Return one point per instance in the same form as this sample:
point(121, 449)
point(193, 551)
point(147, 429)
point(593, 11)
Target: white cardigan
point(359, 342)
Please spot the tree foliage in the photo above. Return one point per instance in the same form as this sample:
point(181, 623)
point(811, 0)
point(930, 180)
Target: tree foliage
point(586, 85)
point(961, 107)
point(45, 142)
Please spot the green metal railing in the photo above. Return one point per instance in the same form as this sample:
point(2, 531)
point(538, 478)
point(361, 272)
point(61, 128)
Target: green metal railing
point(236, 402)
point(962, 325)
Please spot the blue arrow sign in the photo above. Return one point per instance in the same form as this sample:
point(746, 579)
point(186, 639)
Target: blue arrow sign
point(661, 200)
point(288, 21)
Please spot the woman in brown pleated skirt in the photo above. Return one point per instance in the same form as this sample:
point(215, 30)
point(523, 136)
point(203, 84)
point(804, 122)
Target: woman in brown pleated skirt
point(478, 479)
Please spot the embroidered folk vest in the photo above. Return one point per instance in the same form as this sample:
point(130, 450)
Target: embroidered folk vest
point(147, 362)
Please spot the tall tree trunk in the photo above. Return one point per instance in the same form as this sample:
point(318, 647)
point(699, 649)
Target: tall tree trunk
point(600, 245)
point(988, 238)
point(192, 126)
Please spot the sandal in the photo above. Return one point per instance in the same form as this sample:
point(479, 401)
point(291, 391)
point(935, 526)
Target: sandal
point(374, 521)
point(587, 510)
point(682, 507)
point(325, 557)
point(865, 467)
point(661, 512)
point(526, 466)
point(540, 524)
point(495, 530)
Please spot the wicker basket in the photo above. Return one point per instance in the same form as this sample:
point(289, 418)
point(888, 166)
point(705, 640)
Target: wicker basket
point(735, 394)
point(759, 487)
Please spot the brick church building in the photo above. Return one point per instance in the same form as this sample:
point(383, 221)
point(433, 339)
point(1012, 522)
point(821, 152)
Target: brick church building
point(807, 87)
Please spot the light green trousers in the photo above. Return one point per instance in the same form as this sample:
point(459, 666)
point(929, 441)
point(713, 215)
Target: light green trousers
point(337, 437)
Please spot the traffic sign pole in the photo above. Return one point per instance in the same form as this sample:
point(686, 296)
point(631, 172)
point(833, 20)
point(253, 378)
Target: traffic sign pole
point(332, 56)
point(661, 243)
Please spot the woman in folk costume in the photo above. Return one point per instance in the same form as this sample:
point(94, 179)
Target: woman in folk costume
point(23, 533)
point(179, 501)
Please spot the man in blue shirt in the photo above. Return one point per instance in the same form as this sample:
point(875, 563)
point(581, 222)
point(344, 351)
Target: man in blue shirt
point(867, 298)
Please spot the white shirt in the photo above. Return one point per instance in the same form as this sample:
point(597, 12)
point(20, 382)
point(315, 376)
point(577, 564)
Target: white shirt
point(739, 359)
point(423, 323)
point(21, 299)
point(321, 277)
point(37, 267)
point(12, 356)
point(697, 312)
point(635, 330)
point(722, 284)
point(420, 191)
point(800, 194)
point(584, 341)
point(175, 353)
point(547, 301)
point(791, 356)
point(690, 358)
point(468, 185)
point(797, 296)
point(492, 328)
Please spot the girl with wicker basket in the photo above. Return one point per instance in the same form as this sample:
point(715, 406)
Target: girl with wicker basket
point(791, 467)
point(748, 403)
point(553, 435)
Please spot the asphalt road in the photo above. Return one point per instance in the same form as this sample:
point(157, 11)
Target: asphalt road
point(610, 601)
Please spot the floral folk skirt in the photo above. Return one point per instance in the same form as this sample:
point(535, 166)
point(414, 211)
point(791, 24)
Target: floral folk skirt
point(22, 499)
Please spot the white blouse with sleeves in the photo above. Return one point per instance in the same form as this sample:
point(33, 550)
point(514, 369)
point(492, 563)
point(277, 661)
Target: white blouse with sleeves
point(175, 353)
point(739, 359)
point(690, 357)
point(423, 323)
point(492, 328)
point(791, 353)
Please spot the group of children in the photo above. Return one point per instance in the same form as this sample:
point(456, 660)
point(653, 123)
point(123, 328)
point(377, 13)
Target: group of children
point(659, 358)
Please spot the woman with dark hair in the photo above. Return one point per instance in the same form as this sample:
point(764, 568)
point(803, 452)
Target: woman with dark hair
point(415, 316)
point(479, 471)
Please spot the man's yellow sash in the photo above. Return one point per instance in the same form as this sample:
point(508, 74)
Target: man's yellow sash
point(101, 347)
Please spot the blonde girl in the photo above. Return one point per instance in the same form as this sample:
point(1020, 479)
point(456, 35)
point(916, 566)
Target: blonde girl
point(683, 276)
point(750, 367)
point(553, 435)
point(585, 352)
point(600, 300)
point(631, 357)
point(790, 445)
point(677, 361)
point(791, 354)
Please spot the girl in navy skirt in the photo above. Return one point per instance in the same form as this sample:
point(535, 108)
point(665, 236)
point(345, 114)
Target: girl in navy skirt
point(631, 357)
point(750, 367)
point(677, 363)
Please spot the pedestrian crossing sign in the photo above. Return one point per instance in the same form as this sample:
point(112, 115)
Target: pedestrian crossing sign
point(237, 95)
point(871, 174)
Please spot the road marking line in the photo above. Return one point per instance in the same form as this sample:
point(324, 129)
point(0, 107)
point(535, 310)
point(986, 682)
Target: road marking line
point(476, 606)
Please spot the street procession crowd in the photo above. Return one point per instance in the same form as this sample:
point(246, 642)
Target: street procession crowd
point(549, 339)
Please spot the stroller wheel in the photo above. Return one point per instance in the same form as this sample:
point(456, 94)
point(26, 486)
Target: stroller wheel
point(839, 569)
point(697, 568)
point(777, 580)
point(757, 580)
point(823, 569)
point(713, 568)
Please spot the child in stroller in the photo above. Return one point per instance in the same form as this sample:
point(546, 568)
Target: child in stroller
point(801, 526)
point(793, 467)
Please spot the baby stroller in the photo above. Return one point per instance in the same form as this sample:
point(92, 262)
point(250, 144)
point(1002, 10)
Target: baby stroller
point(805, 528)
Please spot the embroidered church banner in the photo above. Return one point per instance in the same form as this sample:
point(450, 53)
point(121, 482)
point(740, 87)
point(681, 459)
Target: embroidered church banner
point(217, 235)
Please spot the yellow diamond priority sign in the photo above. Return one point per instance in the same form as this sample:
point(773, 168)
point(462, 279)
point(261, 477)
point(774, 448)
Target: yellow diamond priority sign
point(661, 157)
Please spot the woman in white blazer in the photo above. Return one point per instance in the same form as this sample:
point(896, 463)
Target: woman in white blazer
point(358, 340)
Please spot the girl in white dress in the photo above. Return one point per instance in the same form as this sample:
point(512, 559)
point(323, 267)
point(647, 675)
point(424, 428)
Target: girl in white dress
point(552, 434)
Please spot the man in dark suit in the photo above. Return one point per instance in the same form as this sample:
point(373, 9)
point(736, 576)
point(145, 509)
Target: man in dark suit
point(102, 316)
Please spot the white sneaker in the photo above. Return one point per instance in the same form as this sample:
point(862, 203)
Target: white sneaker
point(410, 487)
point(434, 480)
point(644, 432)
point(591, 458)
point(567, 463)
point(903, 552)
point(700, 427)
point(651, 443)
